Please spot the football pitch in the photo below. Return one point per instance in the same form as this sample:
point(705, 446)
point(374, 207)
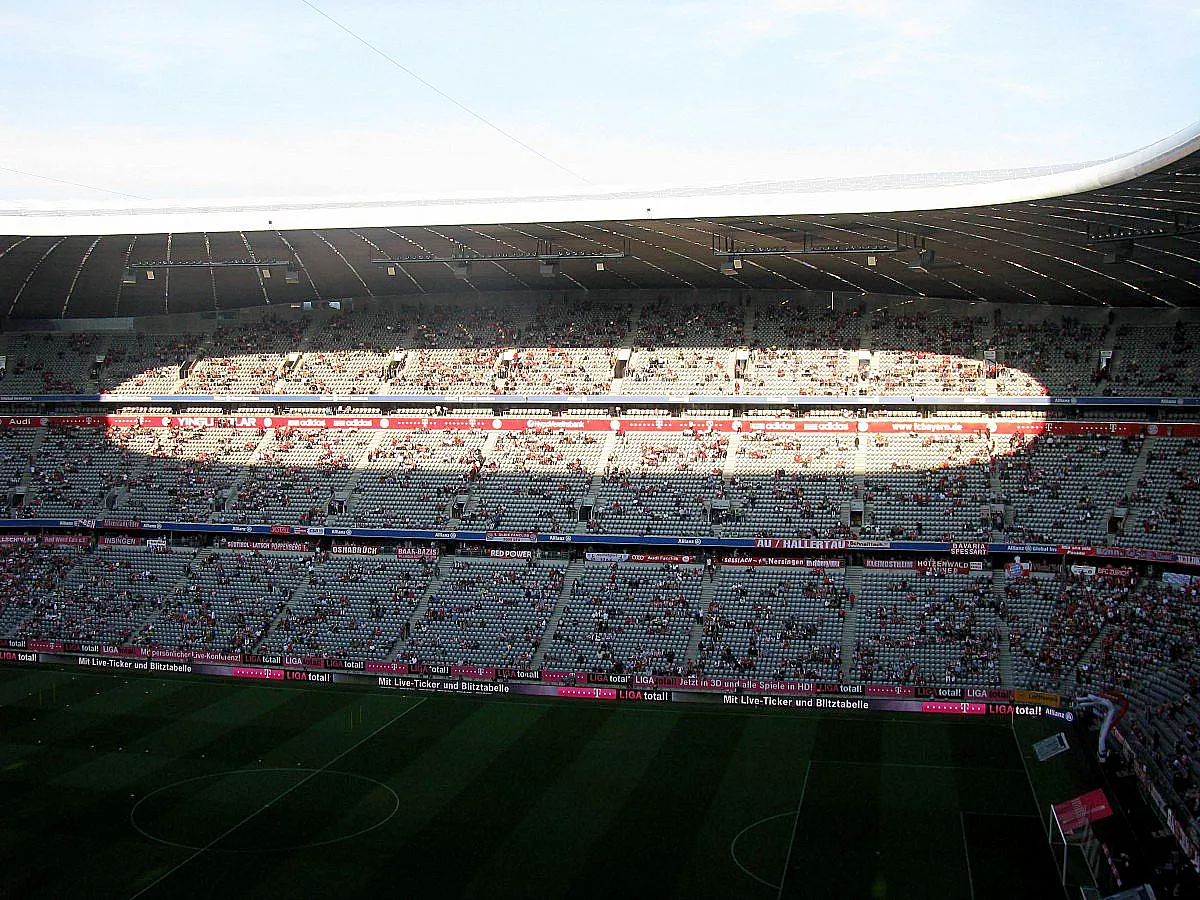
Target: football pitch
point(140, 786)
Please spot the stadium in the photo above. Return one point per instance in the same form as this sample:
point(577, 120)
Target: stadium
point(833, 537)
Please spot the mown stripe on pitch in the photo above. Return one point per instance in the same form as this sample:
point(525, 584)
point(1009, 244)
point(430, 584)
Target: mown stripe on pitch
point(984, 745)
point(1009, 857)
point(406, 757)
point(649, 842)
point(559, 832)
point(300, 873)
point(921, 834)
point(763, 780)
point(117, 717)
point(77, 818)
point(443, 855)
point(834, 850)
point(75, 812)
point(159, 724)
point(16, 684)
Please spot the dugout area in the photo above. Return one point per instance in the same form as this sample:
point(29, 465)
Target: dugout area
point(139, 786)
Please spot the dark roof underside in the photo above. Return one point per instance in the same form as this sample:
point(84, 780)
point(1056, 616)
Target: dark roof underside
point(1029, 252)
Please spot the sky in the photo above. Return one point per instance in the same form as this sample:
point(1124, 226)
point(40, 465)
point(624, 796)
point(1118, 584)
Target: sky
point(126, 101)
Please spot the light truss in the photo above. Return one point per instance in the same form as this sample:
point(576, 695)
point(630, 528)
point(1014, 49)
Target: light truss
point(724, 246)
point(212, 264)
point(291, 274)
point(546, 252)
point(1180, 225)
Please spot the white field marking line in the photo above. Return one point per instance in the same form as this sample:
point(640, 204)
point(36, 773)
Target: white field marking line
point(224, 834)
point(962, 821)
point(737, 837)
point(226, 774)
point(795, 823)
point(1025, 766)
point(1033, 790)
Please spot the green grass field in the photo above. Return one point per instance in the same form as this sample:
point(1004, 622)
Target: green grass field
point(128, 786)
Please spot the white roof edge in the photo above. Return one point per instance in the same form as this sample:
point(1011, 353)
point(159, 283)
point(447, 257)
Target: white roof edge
point(903, 195)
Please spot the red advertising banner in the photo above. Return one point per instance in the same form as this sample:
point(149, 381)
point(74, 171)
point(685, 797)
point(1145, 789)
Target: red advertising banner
point(889, 690)
point(385, 667)
point(926, 426)
point(589, 693)
point(800, 544)
point(954, 708)
point(202, 656)
point(263, 674)
point(1075, 813)
point(513, 423)
point(485, 672)
point(45, 646)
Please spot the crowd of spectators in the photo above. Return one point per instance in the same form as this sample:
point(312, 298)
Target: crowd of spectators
point(1094, 489)
point(225, 602)
point(486, 613)
point(353, 607)
point(1164, 505)
point(627, 619)
point(771, 623)
point(655, 484)
point(245, 359)
point(1064, 487)
point(29, 576)
point(928, 487)
point(554, 346)
point(930, 627)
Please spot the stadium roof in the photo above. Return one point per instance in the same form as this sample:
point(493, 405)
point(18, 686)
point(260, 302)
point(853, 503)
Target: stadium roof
point(1121, 232)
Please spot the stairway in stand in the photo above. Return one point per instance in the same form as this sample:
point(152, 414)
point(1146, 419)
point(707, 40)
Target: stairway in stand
point(999, 582)
point(570, 576)
point(177, 588)
point(444, 567)
point(854, 579)
point(707, 592)
point(284, 609)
